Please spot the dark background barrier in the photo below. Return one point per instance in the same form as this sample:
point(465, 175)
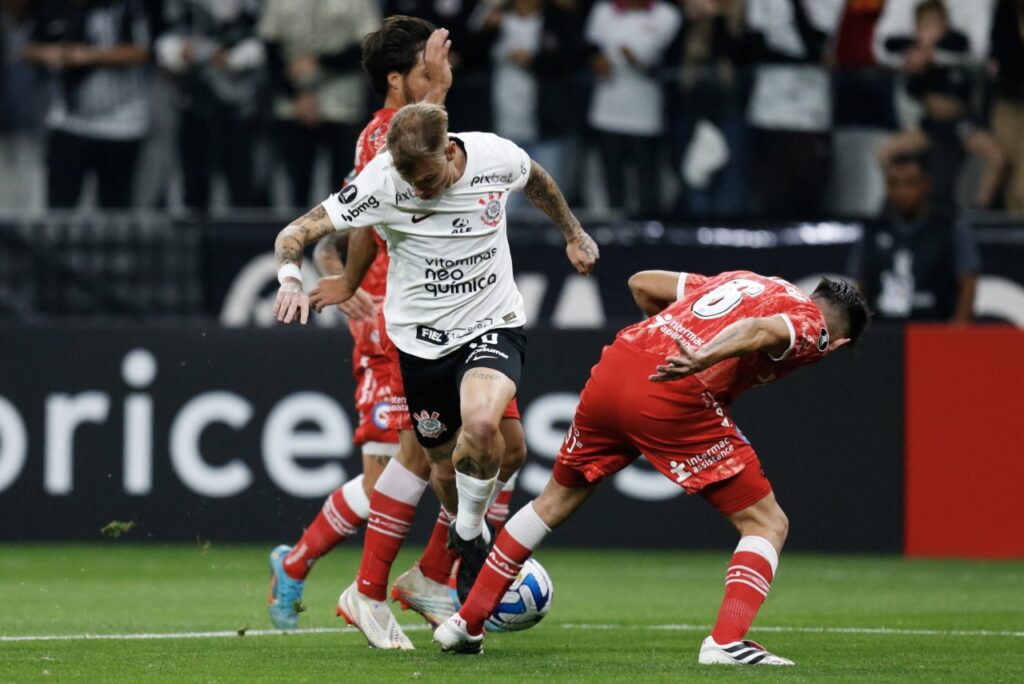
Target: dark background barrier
point(236, 435)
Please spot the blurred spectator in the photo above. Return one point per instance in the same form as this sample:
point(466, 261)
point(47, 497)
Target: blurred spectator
point(212, 48)
point(706, 110)
point(917, 262)
point(863, 93)
point(790, 107)
point(95, 52)
point(22, 106)
point(535, 48)
point(314, 48)
point(973, 18)
point(1007, 65)
point(628, 39)
point(936, 61)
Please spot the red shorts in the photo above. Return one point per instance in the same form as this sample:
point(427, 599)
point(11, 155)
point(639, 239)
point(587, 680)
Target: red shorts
point(398, 412)
point(375, 385)
point(678, 426)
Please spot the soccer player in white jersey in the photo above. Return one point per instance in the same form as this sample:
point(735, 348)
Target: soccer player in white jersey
point(452, 308)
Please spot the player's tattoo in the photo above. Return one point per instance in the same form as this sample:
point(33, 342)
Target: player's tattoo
point(304, 230)
point(543, 192)
point(439, 454)
point(382, 461)
point(483, 375)
point(467, 466)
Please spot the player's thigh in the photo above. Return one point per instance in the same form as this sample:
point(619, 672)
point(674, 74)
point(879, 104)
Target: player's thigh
point(432, 398)
point(490, 369)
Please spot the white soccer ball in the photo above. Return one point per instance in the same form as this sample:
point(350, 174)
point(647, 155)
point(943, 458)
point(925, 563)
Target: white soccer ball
point(525, 603)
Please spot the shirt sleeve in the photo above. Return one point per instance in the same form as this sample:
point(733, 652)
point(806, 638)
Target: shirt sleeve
point(808, 336)
point(363, 202)
point(519, 163)
point(688, 282)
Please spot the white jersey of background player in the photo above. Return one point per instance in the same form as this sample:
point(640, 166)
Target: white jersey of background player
point(450, 277)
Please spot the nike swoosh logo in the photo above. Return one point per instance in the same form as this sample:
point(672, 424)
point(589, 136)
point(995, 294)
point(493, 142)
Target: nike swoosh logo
point(417, 219)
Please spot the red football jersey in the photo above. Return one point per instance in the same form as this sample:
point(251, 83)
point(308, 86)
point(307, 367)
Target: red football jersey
point(371, 141)
point(706, 304)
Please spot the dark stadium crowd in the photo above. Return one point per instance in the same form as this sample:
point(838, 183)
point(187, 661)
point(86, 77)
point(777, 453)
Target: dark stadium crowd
point(686, 109)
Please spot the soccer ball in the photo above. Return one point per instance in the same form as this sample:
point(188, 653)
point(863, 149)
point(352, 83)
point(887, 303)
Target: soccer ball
point(525, 603)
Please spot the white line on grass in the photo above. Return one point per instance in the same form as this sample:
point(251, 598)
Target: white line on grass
point(571, 626)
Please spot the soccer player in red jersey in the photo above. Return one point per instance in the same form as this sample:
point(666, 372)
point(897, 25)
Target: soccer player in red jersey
point(662, 389)
point(407, 61)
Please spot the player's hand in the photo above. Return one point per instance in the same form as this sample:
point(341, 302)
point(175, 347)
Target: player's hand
point(362, 306)
point(330, 290)
point(291, 300)
point(583, 253)
point(436, 58)
point(676, 367)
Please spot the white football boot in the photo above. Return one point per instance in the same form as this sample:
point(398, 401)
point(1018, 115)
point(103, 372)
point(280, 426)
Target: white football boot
point(431, 599)
point(373, 619)
point(454, 638)
point(738, 653)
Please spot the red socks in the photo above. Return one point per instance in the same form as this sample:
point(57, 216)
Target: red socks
point(392, 509)
point(341, 516)
point(747, 582)
point(437, 559)
point(524, 532)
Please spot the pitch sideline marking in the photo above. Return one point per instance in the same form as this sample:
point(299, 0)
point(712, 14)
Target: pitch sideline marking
point(580, 626)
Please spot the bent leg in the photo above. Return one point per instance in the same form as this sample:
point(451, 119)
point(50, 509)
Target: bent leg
point(763, 527)
point(517, 542)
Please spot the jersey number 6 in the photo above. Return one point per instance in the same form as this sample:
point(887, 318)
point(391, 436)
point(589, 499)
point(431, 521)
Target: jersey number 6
point(725, 297)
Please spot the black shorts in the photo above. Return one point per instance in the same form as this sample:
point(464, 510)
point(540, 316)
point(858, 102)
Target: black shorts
point(432, 385)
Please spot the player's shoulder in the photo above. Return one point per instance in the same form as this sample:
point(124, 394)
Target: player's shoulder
point(494, 159)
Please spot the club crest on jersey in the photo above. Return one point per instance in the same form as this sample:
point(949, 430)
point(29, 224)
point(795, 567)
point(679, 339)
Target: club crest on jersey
point(823, 340)
point(428, 424)
point(492, 208)
point(380, 413)
point(348, 193)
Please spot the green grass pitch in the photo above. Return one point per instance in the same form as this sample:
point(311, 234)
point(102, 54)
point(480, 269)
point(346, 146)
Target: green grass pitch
point(617, 616)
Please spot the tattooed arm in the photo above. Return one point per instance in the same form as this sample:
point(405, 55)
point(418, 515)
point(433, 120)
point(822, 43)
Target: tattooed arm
point(542, 191)
point(342, 288)
point(769, 334)
point(309, 228)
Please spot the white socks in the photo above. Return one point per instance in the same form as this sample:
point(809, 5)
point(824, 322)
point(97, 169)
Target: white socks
point(474, 498)
point(355, 497)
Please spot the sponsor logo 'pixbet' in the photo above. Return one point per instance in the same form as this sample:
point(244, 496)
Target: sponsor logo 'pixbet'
point(491, 179)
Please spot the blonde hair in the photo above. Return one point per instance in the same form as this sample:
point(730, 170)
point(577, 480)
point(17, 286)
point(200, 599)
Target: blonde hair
point(419, 132)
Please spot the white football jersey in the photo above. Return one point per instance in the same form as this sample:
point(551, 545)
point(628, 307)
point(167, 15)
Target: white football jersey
point(450, 277)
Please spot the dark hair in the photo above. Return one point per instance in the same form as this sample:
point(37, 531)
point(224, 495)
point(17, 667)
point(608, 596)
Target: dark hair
point(918, 159)
point(394, 47)
point(846, 299)
point(927, 6)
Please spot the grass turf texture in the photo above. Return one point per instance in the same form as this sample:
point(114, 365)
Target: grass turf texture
point(600, 627)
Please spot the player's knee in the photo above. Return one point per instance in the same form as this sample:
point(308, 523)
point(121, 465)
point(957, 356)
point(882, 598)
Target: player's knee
point(481, 432)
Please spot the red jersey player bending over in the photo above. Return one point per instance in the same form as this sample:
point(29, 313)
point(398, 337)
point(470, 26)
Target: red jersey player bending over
point(662, 389)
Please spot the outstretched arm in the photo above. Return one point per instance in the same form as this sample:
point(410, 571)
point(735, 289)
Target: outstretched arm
point(769, 334)
point(654, 290)
point(542, 191)
point(343, 288)
point(329, 257)
point(288, 246)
